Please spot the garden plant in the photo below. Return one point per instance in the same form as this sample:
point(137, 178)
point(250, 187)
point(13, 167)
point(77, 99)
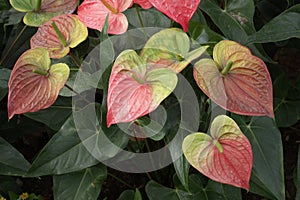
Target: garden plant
point(149, 99)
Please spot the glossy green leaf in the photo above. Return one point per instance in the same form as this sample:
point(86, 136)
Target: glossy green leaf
point(225, 156)
point(235, 20)
point(197, 190)
point(284, 26)
point(73, 32)
point(170, 48)
point(80, 185)
point(130, 195)
point(297, 182)
point(34, 83)
point(265, 139)
point(136, 88)
point(36, 15)
point(54, 116)
point(12, 162)
point(64, 153)
point(4, 77)
point(286, 104)
point(150, 18)
point(236, 80)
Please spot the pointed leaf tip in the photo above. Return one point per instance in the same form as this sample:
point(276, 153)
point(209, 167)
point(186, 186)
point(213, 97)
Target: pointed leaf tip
point(225, 156)
point(30, 91)
point(236, 80)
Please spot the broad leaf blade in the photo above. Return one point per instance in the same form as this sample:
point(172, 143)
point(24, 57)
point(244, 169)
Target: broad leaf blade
point(4, 78)
point(225, 157)
point(289, 21)
point(80, 185)
point(245, 89)
point(179, 11)
point(30, 91)
point(23, 6)
point(73, 31)
point(267, 156)
point(12, 162)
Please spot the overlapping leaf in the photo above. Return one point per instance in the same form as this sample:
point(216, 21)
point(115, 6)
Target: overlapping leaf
point(72, 30)
point(38, 14)
point(180, 11)
point(225, 156)
point(236, 80)
point(136, 88)
point(93, 14)
point(170, 48)
point(34, 84)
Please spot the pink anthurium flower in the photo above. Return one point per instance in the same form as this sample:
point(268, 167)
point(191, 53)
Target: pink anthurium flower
point(145, 4)
point(93, 14)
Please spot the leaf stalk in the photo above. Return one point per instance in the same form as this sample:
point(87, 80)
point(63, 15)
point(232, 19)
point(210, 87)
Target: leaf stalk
point(227, 68)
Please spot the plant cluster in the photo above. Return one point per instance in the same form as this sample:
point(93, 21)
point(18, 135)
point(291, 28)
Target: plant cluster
point(180, 89)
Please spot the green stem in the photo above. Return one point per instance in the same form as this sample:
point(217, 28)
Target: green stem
point(40, 72)
point(227, 68)
point(139, 15)
point(219, 146)
point(59, 34)
point(137, 79)
point(12, 45)
point(72, 90)
point(38, 5)
point(120, 180)
point(74, 59)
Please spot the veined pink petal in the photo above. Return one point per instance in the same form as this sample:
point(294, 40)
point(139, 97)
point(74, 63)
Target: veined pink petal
point(119, 5)
point(145, 4)
point(93, 14)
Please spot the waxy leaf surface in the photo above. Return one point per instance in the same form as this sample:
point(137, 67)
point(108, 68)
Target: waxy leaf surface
point(73, 31)
point(170, 48)
point(225, 156)
point(180, 11)
point(29, 90)
point(136, 88)
point(47, 10)
point(245, 88)
point(93, 14)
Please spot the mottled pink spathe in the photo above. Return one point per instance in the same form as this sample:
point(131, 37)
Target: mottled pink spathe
point(93, 14)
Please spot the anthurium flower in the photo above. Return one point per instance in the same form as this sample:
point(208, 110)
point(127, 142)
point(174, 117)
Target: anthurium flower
point(34, 83)
point(170, 48)
point(236, 80)
point(180, 11)
point(145, 4)
point(60, 34)
point(136, 88)
point(93, 14)
point(224, 156)
point(40, 11)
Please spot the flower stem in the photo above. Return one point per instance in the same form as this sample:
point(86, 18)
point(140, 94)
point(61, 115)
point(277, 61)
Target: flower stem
point(59, 34)
point(227, 68)
point(120, 180)
point(75, 59)
point(139, 15)
point(12, 45)
point(38, 5)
